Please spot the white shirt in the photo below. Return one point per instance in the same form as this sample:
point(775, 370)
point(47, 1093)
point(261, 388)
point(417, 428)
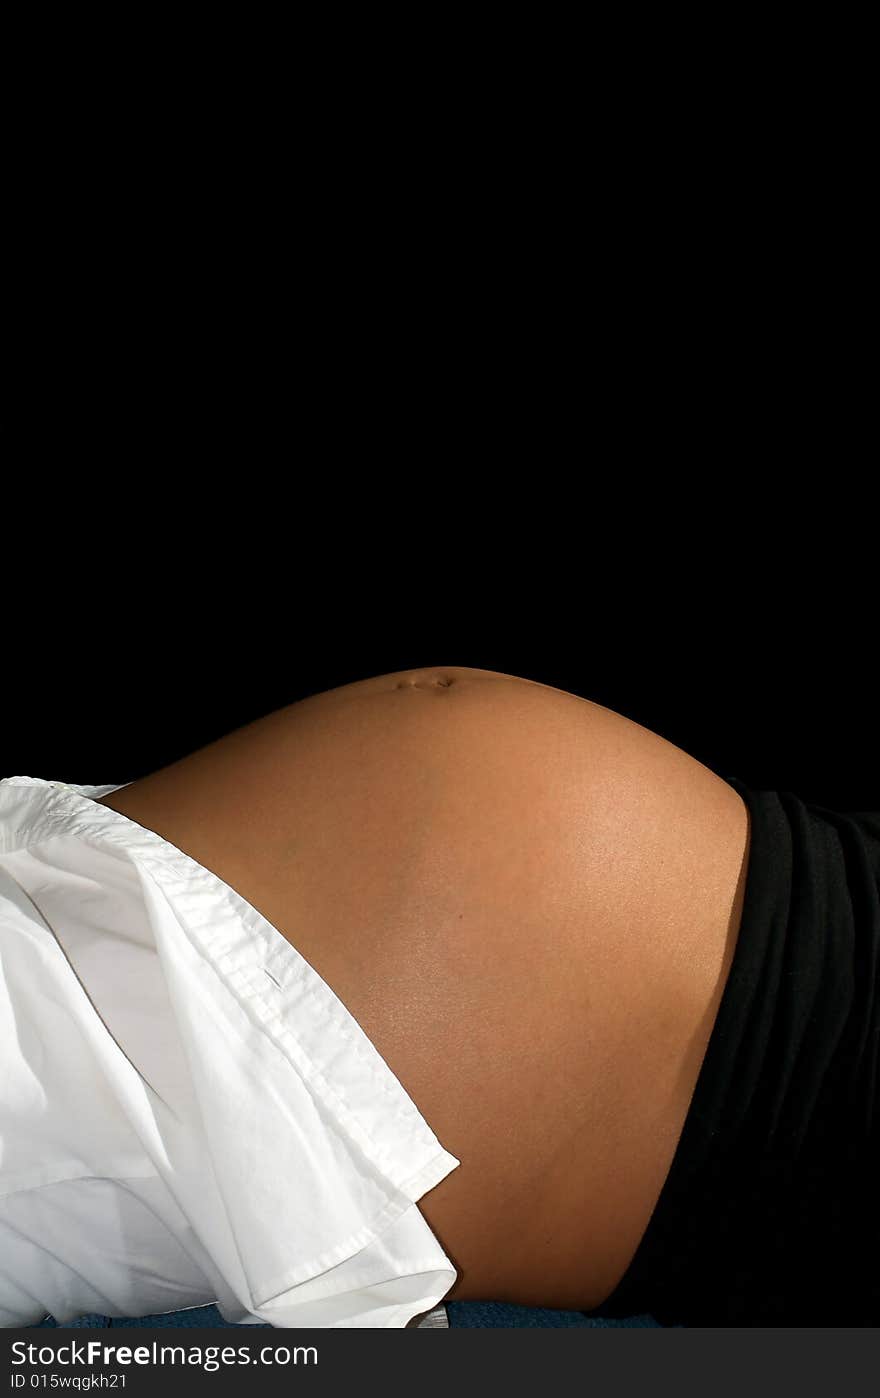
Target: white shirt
point(188, 1113)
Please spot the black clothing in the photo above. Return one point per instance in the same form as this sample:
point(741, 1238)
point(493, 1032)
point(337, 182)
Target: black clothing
point(770, 1214)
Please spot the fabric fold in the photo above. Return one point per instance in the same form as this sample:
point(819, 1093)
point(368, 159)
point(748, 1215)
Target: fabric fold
point(280, 1157)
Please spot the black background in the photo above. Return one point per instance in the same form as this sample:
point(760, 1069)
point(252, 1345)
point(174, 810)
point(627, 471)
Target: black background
point(611, 432)
point(749, 642)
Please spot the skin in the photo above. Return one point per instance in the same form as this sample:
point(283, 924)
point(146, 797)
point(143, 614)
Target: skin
point(529, 903)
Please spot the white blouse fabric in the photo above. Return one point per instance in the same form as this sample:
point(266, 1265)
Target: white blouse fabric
point(188, 1113)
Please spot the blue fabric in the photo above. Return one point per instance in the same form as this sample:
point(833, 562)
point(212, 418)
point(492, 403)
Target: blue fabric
point(462, 1315)
point(481, 1314)
point(193, 1316)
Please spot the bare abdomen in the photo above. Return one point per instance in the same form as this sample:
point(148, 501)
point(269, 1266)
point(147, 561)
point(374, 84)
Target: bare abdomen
point(528, 902)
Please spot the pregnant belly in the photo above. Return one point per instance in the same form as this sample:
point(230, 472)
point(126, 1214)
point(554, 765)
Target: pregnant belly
point(530, 905)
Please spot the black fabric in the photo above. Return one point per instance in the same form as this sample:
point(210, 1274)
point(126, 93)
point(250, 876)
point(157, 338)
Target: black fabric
point(769, 1214)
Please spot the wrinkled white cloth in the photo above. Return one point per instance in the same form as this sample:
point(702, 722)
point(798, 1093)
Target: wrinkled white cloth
point(188, 1113)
